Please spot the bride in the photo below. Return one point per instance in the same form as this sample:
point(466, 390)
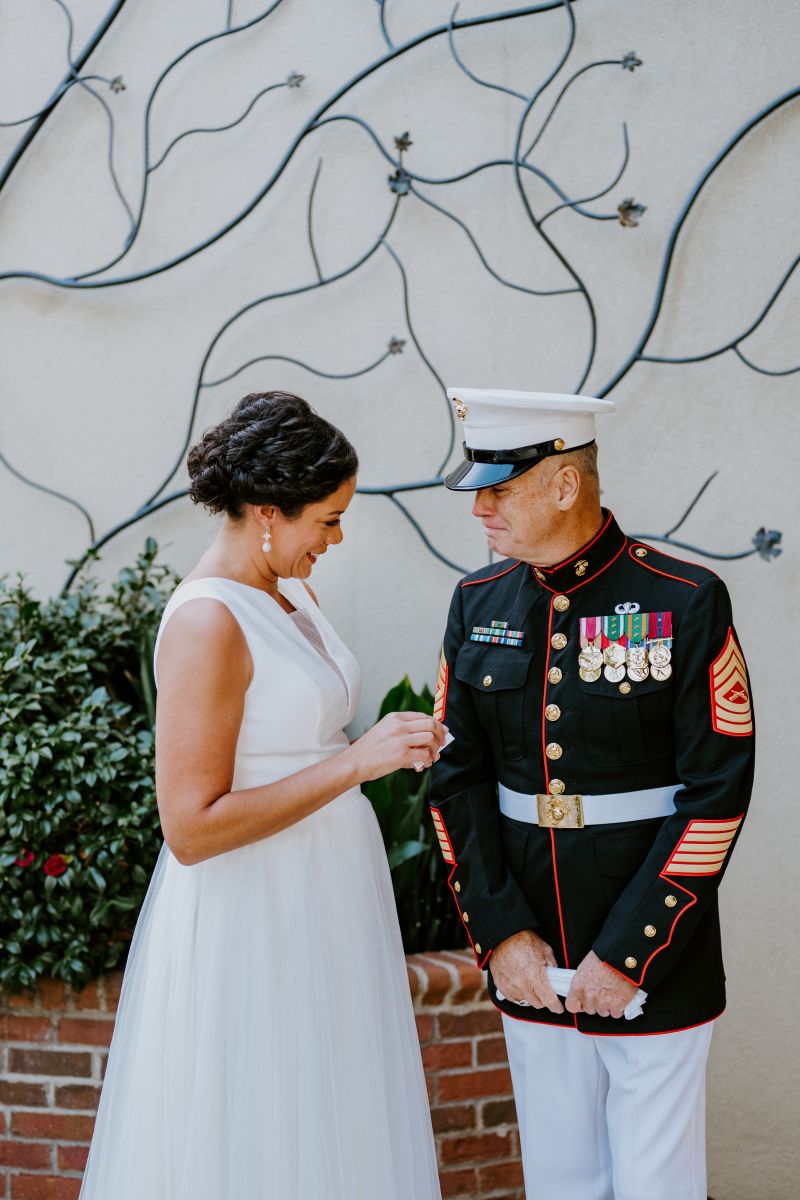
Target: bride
point(265, 1046)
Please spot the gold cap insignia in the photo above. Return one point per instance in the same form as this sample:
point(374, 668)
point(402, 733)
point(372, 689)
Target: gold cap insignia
point(462, 412)
point(559, 443)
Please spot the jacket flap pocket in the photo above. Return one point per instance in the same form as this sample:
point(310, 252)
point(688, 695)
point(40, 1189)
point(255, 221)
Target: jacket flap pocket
point(606, 689)
point(492, 668)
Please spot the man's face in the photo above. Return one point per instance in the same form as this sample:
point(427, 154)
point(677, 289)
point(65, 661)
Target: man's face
point(518, 516)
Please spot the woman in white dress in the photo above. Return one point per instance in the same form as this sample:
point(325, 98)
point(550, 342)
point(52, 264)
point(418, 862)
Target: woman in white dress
point(265, 1046)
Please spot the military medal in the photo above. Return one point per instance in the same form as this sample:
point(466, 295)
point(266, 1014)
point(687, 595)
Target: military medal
point(497, 634)
point(660, 645)
point(590, 659)
point(636, 656)
point(614, 673)
point(660, 655)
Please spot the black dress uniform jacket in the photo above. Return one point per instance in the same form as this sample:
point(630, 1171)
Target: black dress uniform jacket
point(641, 894)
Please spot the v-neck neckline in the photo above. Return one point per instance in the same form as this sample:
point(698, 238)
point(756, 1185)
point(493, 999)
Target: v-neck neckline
point(251, 587)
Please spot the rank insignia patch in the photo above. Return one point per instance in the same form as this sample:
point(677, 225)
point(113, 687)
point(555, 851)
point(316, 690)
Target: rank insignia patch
point(441, 833)
point(703, 848)
point(731, 711)
point(440, 699)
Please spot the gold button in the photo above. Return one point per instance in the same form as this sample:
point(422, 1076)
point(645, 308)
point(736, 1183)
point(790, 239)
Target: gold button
point(553, 750)
point(556, 787)
point(625, 688)
point(559, 443)
point(670, 901)
point(581, 567)
point(487, 681)
point(552, 712)
point(554, 675)
point(561, 603)
point(558, 641)
point(649, 931)
point(640, 552)
point(457, 886)
point(478, 948)
point(539, 574)
point(465, 918)
point(630, 963)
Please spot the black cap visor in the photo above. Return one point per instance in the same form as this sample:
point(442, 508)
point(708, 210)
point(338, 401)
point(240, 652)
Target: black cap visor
point(472, 476)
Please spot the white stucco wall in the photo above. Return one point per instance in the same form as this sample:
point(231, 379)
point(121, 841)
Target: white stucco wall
point(97, 385)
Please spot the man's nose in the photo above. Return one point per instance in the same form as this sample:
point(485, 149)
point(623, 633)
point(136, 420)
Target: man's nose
point(482, 506)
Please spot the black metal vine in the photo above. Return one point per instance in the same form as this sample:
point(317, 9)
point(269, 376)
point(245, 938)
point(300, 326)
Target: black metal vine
point(404, 185)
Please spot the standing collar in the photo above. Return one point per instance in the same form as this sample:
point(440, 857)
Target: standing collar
point(590, 560)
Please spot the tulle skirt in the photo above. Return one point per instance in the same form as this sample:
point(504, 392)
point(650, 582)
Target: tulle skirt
point(265, 1046)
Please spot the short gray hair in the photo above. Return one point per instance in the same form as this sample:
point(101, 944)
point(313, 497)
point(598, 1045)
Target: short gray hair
point(585, 459)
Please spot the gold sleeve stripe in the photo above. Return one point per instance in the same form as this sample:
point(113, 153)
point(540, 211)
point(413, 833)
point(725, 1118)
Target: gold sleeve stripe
point(703, 848)
point(444, 841)
point(731, 710)
point(440, 699)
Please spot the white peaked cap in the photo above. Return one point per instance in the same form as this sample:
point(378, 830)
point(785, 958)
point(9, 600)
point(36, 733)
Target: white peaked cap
point(510, 432)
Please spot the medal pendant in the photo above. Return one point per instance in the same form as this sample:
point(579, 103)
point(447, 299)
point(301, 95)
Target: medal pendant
point(638, 674)
point(589, 676)
point(660, 655)
point(614, 673)
point(660, 673)
point(637, 657)
point(614, 656)
point(591, 659)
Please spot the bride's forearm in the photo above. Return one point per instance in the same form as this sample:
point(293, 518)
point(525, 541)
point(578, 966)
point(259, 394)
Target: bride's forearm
point(248, 815)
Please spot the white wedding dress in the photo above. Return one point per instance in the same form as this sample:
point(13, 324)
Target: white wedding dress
point(265, 1046)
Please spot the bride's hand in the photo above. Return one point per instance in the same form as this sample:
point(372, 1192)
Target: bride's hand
point(401, 739)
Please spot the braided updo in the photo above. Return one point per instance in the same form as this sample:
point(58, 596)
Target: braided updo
point(272, 449)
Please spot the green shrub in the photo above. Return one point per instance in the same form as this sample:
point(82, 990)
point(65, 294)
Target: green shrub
point(79, 830)
point(428, 916)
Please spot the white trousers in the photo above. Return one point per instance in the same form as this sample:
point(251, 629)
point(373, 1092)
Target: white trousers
point(610, 1118)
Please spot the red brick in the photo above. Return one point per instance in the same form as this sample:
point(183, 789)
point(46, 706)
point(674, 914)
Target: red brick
point(52, 994)
point(21, 1000)
point(440, 982)
point(33, 1155)
point(44, 1187)
point(469, 1084)
point(25, 1029)
point(424, 1027)
point(499, 1112)
point(500, 1175)
point(72, 1158)
point(67, 1127)
point(89, 997)
point(491, 1050)
point(15, 1092)
point(474, 1148)
point(48, 1062)
point(85, 1031)
point(440, 1055)
point(77, 1095)
point(454, 1117)
point(470, 1024)
point(470, 979)
point(112, 985)
point(458, 1183)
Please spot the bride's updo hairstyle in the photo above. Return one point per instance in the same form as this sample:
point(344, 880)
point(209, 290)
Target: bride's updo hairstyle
point(272, 449)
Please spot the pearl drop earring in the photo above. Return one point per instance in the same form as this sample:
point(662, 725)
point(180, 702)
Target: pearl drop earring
point(266, 545)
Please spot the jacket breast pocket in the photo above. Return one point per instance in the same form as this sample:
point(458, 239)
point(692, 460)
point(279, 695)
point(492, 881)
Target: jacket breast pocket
point(497, 676)
point(622, 729)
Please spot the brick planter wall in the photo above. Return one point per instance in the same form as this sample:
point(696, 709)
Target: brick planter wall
point(54, 1047)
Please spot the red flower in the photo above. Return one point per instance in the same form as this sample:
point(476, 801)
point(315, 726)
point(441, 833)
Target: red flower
point(55, 865)
point(25, 859)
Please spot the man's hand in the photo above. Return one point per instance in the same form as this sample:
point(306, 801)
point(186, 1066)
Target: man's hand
point(596, 989)
point(519, 969)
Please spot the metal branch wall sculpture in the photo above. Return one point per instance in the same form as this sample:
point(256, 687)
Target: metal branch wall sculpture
point(404, 187)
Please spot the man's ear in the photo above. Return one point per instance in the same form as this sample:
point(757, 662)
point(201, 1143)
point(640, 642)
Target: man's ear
point(568, 484)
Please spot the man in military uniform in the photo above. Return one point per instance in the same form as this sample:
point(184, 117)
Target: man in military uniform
point(587, 808)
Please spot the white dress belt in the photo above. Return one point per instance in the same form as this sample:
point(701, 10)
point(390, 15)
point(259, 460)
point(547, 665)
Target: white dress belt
point(595, 810)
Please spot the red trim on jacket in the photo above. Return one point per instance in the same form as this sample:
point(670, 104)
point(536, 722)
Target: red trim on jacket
point(655, 570)
point(583, 582)
point(489, 578)
point(664, 945)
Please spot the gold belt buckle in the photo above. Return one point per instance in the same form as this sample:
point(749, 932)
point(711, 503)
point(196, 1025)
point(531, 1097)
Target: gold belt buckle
point(560, 812)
